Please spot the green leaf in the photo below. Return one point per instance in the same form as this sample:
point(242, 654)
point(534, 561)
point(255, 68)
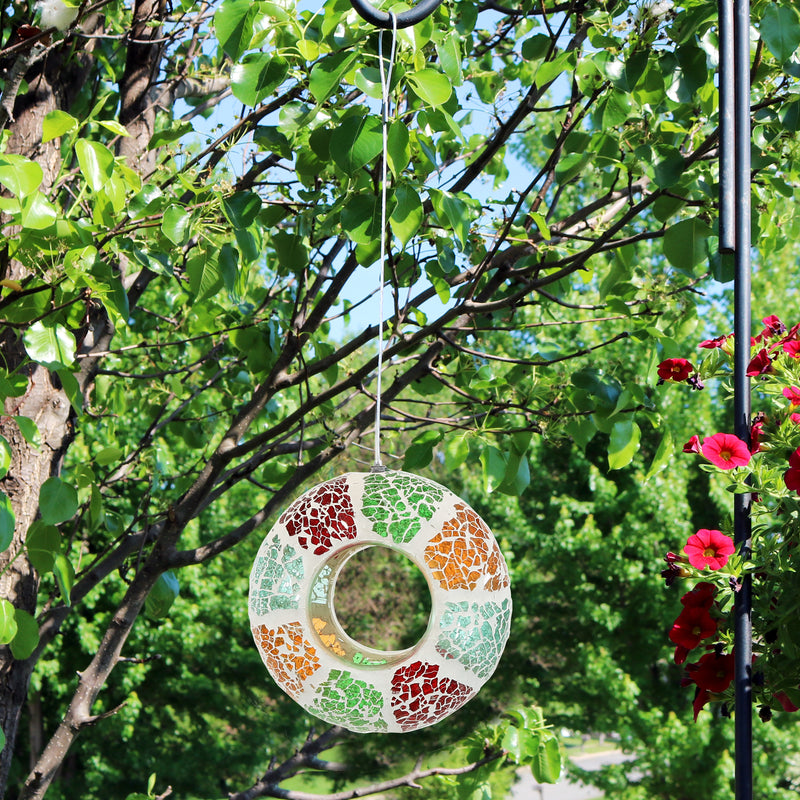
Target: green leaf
point(398, 147)
point(8, 622)
point(7, 522)
point(356, 142)
point(117, 128)
point(26, 639)
point(204, 275)
point(43, 544)
point(327, 74)
point(176, 224)
point(361, 219)
point(663, 456)
point(28, 429)
point(5, 456)
point(623, 444)
point(65, 577)
point(456, 452)
point(291, 251)
point(494, 468)
point(72, 389)
point(2, 740)
point(449, 52)
point(58, 501)
point(167, 135)
point(20, 175)
point(108, 455)
point(257, 76)
point(546, 765)
point(52, 347)
point(96, 162)
point(407, 215)
point(420, 452)
point(56, 123)
point(431, 86)
point(161, 597)
point(233, 25)
point(38, 213)
point(241, 209)
point(780, 29)
point(685, 243)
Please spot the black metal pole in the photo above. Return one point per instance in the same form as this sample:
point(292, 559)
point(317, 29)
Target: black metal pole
point(743, 633)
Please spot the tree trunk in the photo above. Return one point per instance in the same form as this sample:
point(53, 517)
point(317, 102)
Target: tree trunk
point(52, 84)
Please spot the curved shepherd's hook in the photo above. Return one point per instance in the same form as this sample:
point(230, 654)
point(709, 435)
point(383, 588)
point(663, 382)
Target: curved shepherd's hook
point(382, 19)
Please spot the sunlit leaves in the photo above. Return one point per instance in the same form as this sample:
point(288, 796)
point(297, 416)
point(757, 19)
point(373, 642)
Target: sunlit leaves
point(51, 346)
point(257, 76)
point(96, 162)
point(233, 25)
point(19, 175)
point(430, 86)
point(8, 622)
point(623, 443)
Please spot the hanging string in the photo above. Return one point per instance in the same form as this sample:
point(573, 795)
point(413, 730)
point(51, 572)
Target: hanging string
point(386, 82)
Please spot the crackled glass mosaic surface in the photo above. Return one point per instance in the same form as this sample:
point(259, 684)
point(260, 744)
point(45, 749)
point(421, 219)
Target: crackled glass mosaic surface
point(293, 616)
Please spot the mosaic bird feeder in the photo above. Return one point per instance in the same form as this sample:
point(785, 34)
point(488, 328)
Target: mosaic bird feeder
point(303, 644)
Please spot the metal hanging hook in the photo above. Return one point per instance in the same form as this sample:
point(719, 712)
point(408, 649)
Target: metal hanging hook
point(382, 19)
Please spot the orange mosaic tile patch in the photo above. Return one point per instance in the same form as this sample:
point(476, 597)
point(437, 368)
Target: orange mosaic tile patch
point(289, 657)
point(464, 552)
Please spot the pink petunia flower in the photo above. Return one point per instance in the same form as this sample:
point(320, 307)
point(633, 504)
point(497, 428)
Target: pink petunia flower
point(792, 348)
point(693, 445)
point(711, 344)
point(792, 394)
point(795, 418)
point(709, 548)
point(726, 451)
point(675, 369)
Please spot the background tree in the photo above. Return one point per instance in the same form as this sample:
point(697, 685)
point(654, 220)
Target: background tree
point(171, 376)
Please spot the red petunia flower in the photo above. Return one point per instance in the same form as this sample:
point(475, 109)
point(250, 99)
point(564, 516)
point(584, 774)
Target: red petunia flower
point(756, 432)
point(711, 344)
point(795, 418)
point(772, 327)
point(726, 451)
point(702, 596)
point(792, 394)
point(693, 625)
point(786, 703)
point(792, 475)
point(675, 369)
point(709, 548)
point(712, 672)
point(693, 445)
point(760, 364)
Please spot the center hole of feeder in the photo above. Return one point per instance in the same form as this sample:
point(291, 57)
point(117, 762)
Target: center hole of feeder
point(381, 599)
